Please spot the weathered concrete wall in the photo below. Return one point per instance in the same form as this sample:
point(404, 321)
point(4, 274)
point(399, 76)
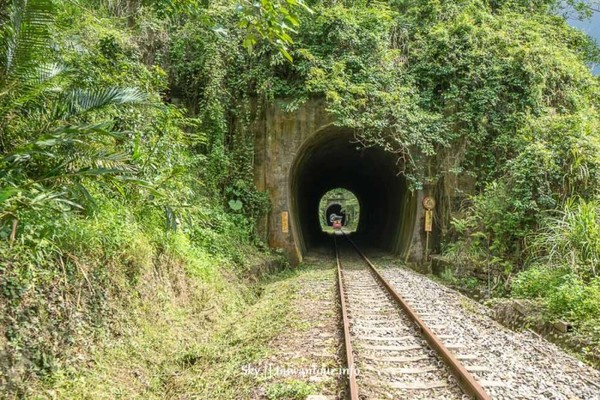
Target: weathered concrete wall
point(278, 137)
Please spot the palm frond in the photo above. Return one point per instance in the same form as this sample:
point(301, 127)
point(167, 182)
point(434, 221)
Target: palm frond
point(63, 136)
point(34, 83)
point(79, 101)
point(25, 36)
point(43, 74)
point(52, 170)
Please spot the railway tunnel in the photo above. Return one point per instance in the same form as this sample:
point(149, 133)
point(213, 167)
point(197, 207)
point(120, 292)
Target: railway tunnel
point(331, 159)
point(336, 209)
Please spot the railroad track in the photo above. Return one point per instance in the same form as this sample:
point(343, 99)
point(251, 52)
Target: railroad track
point(391, 352)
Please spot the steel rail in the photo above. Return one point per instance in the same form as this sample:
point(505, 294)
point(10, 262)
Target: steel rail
point(353, 386)
point(465, 379)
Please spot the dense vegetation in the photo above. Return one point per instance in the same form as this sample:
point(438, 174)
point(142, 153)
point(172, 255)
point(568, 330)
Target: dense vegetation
point(126, 185)
point(110, 214)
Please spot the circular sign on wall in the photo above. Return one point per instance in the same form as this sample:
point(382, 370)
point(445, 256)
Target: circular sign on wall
point(429, 203)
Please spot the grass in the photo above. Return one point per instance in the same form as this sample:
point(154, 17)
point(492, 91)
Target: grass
point(291, 390)
point(152, 314)
point(168, 348)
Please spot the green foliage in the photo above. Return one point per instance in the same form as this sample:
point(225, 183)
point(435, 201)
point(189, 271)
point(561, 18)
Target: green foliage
point(563, 264)
point(51, 145)
point(428, 81)
point(24, 36)
point(557, 159)
point(526, 124)
point(571, 240)
point(456, 279)
point(105, 184)
point(206, 68)
point(565, 295)
point(357, 59)
point(508, 74)
point(245, 197)
point(577, 301)
point(448, 277)
point(292, 390)
point(538, 281)
point(185, 337)
point(582, 8)
point(274, 20)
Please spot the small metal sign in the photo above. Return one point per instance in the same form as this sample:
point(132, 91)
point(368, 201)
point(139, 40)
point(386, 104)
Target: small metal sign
point(429, 203)
point(285, 227)
point(428, 221)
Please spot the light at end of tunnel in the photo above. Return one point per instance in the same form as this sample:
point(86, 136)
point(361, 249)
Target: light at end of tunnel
point(339, 208)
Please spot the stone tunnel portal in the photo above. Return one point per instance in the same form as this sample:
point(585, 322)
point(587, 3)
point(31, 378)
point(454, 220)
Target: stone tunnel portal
point(330, 159)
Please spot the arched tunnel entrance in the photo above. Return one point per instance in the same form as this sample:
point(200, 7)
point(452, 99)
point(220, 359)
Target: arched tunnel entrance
point(337, 210)
point(330, 159)
point(339, 204)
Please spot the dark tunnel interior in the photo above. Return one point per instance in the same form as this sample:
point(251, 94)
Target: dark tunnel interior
point(331, 159)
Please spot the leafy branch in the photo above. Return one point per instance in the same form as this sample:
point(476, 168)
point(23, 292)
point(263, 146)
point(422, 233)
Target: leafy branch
point(274, 20)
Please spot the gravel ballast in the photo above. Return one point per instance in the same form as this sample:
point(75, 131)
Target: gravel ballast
point(516, 365)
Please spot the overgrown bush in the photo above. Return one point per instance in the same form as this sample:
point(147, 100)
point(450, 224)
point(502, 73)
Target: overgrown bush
point(563, 270)
point(557, 157)
point(565, 295)
point(104, 182)
point(538, 281)
point(576, 300)
point(571, 239)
